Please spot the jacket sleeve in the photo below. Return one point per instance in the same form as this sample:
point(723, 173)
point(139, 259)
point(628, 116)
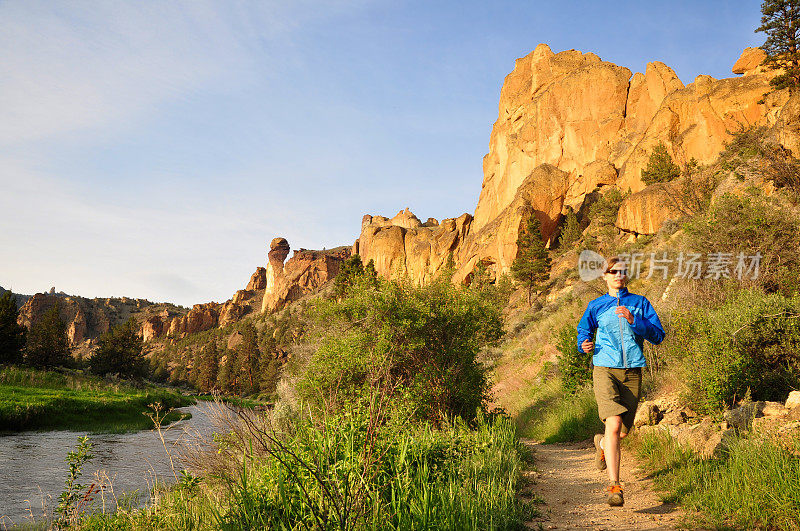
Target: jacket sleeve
point(648, 325)
point(586, 327)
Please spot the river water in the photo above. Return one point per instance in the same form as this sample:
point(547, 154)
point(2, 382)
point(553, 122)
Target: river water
point(33, 467)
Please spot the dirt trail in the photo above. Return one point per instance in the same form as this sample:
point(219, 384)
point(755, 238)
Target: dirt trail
point(574, 498)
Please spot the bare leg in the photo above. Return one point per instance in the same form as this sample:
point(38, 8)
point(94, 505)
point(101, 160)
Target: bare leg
point(611, 446)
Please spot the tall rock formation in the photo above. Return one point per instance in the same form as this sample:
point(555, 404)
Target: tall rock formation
point(303, 273)
point(570, 124)
point(405, 247)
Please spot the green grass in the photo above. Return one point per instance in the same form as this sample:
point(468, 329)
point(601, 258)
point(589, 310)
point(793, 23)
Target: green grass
point(249, 403)
point(47, 400)
point(417, 477)
point(556, 416)
point(755, 486)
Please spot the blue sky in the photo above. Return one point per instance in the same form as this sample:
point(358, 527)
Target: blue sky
point(153, 149)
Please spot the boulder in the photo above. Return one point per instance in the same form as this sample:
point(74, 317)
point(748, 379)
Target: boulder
point(774, 409)
point(705, 439)
point(793, 400)
point(673, 418)
point(750, 62)
point(647, 414)
point(717, 443)
point(741, 418)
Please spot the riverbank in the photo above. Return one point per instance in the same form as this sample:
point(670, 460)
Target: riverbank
point(47, 400)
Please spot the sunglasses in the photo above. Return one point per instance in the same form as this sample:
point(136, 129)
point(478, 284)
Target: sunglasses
point(620, 272)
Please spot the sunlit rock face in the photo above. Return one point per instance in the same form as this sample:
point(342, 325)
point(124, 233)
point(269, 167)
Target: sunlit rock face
point(404, 247)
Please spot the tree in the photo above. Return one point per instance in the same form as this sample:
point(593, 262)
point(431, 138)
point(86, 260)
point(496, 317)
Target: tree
point(780, 21)
point(227, 379)
point(247, 359)
point(571, 231)
point(12, 335)
point(353, 272)
point(48, 344)
point(660, 167)
point(120, 351)
point(208, 368)
point(531, 267)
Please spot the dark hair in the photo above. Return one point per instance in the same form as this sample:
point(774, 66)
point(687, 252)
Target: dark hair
point(614, 260)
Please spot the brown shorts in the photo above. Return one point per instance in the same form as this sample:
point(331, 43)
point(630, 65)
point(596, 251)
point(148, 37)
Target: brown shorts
point(617, 393)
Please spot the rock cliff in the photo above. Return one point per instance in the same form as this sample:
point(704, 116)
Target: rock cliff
point(568, 125)
point(88, 319)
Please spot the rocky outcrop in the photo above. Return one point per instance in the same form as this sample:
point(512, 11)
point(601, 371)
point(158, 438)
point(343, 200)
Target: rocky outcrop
point(597, 123)
point(201, 317)
point(542, 194)
point(750, 62)
point(303, 273)
point(258, 281)
point(88, 319)
point(645, 211)
point(405, 247)
point(708, 438)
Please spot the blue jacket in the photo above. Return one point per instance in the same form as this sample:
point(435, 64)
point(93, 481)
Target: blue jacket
point(600, 317)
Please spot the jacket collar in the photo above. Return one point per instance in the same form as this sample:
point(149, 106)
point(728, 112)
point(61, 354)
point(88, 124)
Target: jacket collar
point(622, 293)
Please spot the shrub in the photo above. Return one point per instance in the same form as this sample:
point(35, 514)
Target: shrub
point(660, 167)
point(746, 345)
point(691, 194)
point(574, 364)
point(418, 343)
point(752, 149)
point(751, 224)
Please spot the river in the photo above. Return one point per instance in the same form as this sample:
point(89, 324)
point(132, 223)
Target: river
point(33, 467)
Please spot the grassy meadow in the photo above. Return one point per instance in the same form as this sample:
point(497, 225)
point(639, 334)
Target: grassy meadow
point(46, 400)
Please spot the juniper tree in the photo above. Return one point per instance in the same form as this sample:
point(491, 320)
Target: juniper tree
point(780, 21)
point(12, 334)
point(208, 368)
point(660, 166)
point(47, 344)
point(120, 351)
point(350, 269)
point(571, 231)
point(531, 267)
point(247, 360)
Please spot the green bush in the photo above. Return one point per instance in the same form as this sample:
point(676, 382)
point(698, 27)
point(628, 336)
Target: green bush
point(574, 365)
point(746, 345)
point(752, 149)
point(418, 343)
point(751, 224)
point(120, 352)
point(660, 167)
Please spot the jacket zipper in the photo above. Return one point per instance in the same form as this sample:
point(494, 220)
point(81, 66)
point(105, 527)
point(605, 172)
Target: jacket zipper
point(622, 339)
